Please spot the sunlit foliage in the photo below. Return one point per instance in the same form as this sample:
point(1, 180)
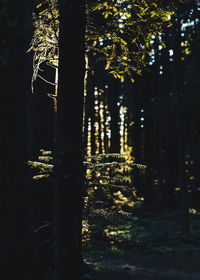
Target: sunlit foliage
point(43, 166)
point(117, 32)
point(45, 40)
point(120, 33)
point(109, 184)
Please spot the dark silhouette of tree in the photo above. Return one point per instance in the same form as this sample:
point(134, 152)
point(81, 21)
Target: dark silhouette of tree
point(68, 169)
point(113, 99)
point(17, 238)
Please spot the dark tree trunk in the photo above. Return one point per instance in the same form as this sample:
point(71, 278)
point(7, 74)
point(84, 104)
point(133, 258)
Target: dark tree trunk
point(149, 138)
point(181, 180)
point(113, 98)
point(180, 139)
point(164, 126)
point(16, 242)
point(86, 106)
point(91, 99)
point(68, 171)
point(99, 121)
point(137, 135)
point(32, 246)
point(105, 127)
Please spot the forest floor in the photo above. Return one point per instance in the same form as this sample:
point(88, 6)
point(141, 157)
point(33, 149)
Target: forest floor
point(146, 248)
point(141, 268)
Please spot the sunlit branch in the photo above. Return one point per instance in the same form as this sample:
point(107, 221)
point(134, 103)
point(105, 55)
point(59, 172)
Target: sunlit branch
point(53, 96)
point(93, 184)
point(51, 65)
point(53, 84)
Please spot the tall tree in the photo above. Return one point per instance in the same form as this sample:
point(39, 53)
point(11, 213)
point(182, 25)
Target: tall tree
point(113, 99)
point(67, 176)
point(16, 239)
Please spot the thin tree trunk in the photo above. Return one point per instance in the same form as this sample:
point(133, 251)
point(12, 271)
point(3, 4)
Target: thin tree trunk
point(99, 122)
point(181, 180)
point(86, 105)
point(180, 141)
point(113, 94)
point(105, 127)
point(90, 101)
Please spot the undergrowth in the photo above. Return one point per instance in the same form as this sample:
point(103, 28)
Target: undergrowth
point(149, 233)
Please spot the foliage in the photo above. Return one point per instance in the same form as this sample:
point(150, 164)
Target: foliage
point(109, 185)
point(45, 40)
point(153, 232)
point(43, 165)
point(118, 33)
point(108, 181)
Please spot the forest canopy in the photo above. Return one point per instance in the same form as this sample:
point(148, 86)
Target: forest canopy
point(119, 33)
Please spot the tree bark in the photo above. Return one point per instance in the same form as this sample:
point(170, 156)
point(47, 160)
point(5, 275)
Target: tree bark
point(16, 242)
point(180, 139)
point(91, 101)
point(113, 95)
point(68, 167)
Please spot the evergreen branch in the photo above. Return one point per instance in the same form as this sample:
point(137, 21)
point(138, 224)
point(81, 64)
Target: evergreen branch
point(36, 164)
point(42, 176)
point(100, 156)
point(93, 184)
point(112, 164)
point(45, 153)
point(45, 158)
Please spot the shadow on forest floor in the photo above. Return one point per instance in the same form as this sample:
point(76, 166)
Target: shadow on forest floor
point(141, 268)
point(144, 247)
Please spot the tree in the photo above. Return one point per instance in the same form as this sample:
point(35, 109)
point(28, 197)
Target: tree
point(68, 169)
point(113, 99)
point(126, 56)
point(16, 228)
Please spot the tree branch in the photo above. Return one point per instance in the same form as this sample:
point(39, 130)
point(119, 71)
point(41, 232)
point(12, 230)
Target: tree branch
point(51, 65)
point(53, 84)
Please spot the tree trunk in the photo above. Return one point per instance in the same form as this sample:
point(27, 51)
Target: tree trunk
point(16, 251)
point(86, 106)
point(30, 144)
point(105, 127)
point(99, 122)
point(113, 94)
point(180, 140)
point(91, 99)
point(68, 168)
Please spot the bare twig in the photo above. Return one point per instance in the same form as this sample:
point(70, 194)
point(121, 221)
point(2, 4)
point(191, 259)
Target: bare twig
point(52, 65)
point(53, 84)
point(43, 226)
